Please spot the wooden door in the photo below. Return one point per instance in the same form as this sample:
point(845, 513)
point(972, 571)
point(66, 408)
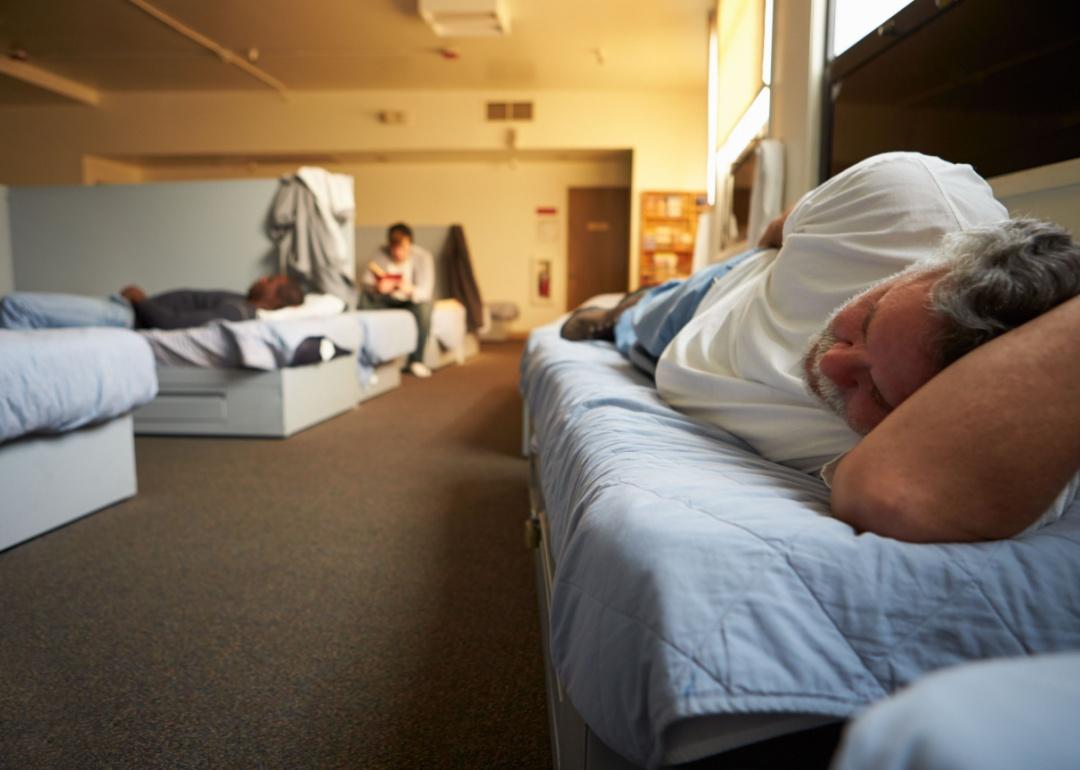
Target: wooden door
point(597, 242)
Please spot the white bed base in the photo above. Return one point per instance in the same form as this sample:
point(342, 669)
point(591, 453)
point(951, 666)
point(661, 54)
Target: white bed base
point(436, 356)
point(574, 746)
point(241, 402)
point(387, 377)
point(49, 481)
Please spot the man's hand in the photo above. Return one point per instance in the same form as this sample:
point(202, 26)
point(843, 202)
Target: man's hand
point(773, 237)
point(385, 285)
point(133, 293)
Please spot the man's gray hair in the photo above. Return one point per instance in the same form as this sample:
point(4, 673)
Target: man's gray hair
point(998, 277)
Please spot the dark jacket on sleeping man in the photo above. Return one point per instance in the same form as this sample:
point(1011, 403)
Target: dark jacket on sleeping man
point(184, 308)
point(190, 307)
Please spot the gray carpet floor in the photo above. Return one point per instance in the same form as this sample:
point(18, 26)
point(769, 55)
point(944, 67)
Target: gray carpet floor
point(358, 596)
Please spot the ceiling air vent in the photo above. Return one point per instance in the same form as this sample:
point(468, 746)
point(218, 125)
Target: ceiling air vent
point(509, 110)
point(466, 18)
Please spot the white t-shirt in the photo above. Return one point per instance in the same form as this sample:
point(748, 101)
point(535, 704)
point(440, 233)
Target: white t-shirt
point(737, 362)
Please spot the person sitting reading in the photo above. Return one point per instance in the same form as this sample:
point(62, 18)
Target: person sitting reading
point(184, 308)
point(402, 275)
point(935, 402)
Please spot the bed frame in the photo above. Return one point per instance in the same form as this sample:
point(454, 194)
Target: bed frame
point(436, 356)
point(49, 481)
point(242, 402)
point(387, 377)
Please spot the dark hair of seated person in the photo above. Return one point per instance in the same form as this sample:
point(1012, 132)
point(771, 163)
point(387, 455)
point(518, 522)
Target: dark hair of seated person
point(274, 292)
point(397, 231)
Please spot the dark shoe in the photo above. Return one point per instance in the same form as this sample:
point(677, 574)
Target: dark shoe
point(589, 323)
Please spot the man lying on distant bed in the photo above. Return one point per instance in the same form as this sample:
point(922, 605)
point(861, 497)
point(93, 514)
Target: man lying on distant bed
point(274, 298)
point(939, 403)
point(184, 308)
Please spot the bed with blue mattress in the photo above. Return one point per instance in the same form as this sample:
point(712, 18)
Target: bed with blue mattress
point(697, 597)
point(66, 446)
point(265, 377)
point(273, 378)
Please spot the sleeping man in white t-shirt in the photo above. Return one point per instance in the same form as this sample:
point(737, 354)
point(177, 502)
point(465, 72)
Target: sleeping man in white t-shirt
point(924, 432)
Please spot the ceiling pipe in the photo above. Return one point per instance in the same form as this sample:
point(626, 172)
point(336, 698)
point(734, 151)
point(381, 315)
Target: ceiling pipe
point(225, 54)
point(50, 81)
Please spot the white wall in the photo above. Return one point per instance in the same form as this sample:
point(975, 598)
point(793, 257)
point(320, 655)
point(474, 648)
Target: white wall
point(496, 203)
point(798, 66)
point(7, 265)
point(1048, 192)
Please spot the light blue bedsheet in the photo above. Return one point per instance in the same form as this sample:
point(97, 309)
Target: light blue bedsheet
point(372, 336)
point(695, 578)
point(254, 344)
point(375, 336)
point(388, 334)
point(56, 380)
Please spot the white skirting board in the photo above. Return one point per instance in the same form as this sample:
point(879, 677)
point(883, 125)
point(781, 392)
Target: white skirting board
point(574, 746)
point(51, 480)
point(242, 402)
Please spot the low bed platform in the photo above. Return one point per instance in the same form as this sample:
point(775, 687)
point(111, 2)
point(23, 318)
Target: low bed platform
point(449, 342)
point(244, 402)
point(66, 446)
point(240, 379)
point(49, 481)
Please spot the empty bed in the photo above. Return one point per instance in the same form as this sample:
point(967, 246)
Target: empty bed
point(66, 446)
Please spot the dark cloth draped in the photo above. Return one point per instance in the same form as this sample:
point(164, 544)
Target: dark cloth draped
point(184, 308)
point(460, 281)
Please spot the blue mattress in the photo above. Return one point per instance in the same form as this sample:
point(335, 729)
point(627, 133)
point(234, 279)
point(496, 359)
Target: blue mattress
point(373, 337)
point(253, 344)
point(695, 578)
point(57, 380)
point(388, 334)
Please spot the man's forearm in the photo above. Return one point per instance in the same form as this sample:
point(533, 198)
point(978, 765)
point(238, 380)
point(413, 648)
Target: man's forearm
point(979, 451)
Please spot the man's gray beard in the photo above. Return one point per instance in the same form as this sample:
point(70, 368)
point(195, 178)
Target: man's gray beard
point(817, 384)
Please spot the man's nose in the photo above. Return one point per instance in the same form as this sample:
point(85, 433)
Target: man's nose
point(842, 364)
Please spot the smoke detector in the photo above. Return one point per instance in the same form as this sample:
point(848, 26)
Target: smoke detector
point(466, 18)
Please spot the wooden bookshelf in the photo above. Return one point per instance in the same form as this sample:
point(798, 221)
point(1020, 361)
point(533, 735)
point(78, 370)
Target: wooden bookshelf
point(668, 231)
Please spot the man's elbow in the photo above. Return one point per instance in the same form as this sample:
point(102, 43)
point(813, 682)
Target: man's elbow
point(889, 504)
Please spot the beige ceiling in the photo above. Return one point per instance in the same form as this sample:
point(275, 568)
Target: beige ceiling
point(358, 44)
